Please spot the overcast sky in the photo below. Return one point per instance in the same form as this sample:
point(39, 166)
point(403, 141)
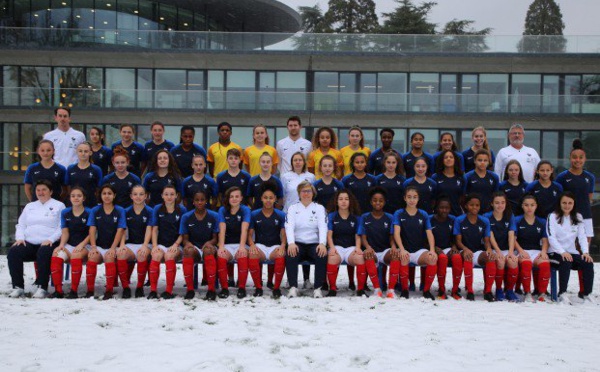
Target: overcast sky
point(506, 17)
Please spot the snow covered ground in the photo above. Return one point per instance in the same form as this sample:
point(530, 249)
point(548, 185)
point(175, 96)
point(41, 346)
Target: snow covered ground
point(305, 334)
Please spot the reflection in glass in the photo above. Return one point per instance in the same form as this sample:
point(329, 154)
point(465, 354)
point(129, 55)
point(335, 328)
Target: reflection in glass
point(493, 92)
point(525, 93)
point(170, 85)
point(424, 89)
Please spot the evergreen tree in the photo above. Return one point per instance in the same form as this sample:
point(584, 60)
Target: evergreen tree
point(352, 16)
point(543, 18)
point(313, 19)
point(410, 19)
point(464, 38)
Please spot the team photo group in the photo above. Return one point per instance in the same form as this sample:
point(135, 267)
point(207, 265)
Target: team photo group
point(311, 204)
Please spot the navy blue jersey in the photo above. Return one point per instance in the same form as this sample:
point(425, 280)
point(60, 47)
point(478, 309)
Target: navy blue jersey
point(529, 236)
point(408, 161)
point(344, 230)
point(191, 186)
point(359, 187)
point(136, 155)
point(154, 185)
point(514, 194)
point(485, 187)
point(254, 188)
point(456, 153)
point(325, 192)
point(442, 231)
point(267, 230)
point(233, 223)
point(184, 158)
point(167, 223)
point(547, 197)
point(501, 228)
point(226, 180)
point(89, 179)
point(77, 225)
point(137, 224)
point(427, 193)
point(472, 234)
point(123, 187)
point(102, 158)
point(581, 185)
point(107, 224)
point(469, 160)
point(413, 229)
point(453, 187)
point(151, 148)
point(394, 188)
point(377, 230)
point(55, 174)
point(376, 165)
point(199, 231)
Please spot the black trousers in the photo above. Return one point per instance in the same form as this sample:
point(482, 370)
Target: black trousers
point(306, 252)
point(18, 254)
point(564, 272)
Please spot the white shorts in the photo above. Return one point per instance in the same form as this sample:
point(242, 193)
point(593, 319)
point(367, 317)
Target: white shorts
point(70, 248)
point(233, 248)
point(414, 257)
point(446, 250)
point(476, 258)
point(267, 251)
point(344, 252)
point(589, 227)
point(380, 255)
point(533, 254)
point(165, 249)
point(136, 247)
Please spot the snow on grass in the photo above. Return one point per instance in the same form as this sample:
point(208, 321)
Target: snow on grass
point(299, 334)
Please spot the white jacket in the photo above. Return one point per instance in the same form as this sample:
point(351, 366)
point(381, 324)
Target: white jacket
point(562, 236)
point(306, 225)
point(40, 222)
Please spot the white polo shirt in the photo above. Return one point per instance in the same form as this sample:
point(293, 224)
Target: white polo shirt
point(526, 156)
point(40, 222)
point(65, 145)
point(287, 147)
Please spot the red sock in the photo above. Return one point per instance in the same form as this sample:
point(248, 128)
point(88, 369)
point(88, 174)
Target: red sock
point(468, 269)
point(526, 276)
point(222, 271)
point(535, 280)
point(76, 271)
point(361, 276)
point(404, 274)
point(170, 273)
point(279, 269)
point(442, 266)
point(154, 274)
point(543, 277)
point(430, 271)
point(242, 271)
point(142, 270)
point(210, 267)
point(490, 275)
point(332, 273)
point(394, 274)
point(499, 278)
point(111, 273)
point(188, 272)
point(581, 286)
point(254, 268)
point(411, 274)
point(511, 278)
point(350, 273)
point(372, 271)
point(230, 271)
point(270, 272)
point(91, 269)
point(56, 271)
point(457, 270)
point(123, 270)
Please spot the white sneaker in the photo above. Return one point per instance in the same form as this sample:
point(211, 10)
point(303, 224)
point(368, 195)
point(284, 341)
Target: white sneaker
point(16, 293)
point(589, 299)
point(293, 292)
point(377, 292)
point(317, 293)
point(564, 299)
point(390, 293)
point(307, 284)
point(40, 293)
point(528, 298)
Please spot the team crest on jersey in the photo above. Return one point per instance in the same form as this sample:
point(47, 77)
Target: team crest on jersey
point(539, 229)
point(205, 186)
point(144, 219)
point(420, 221)
point(133, 152)
point(506, 224)
point(369, 183)
point(209, 225)
point(301, 149)
point(276, 221)
point(587, 180)
point(242, 181)
point(335, 188)
point(100, 156)
point(55, 174)
point(239, 218)
point(491, 182)
point(351, 223)
point(115, 218)
point(130, 184)
point(554, 193)
point(385, 224)
point(91, 174)
point(51, 208)
point(480, 229)
point(177, 217)
point(84, 220)
point(430, 188)
point(398, 183)
point(458, 182)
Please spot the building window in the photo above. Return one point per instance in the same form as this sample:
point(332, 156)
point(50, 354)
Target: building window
point(241, 87)
point(424, 89)
point(525, 92)
point(493, 92)
point(120, 87)
point(170, 89)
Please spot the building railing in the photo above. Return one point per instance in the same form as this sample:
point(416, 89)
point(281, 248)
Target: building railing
point(208, 100)
point(186, 41)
